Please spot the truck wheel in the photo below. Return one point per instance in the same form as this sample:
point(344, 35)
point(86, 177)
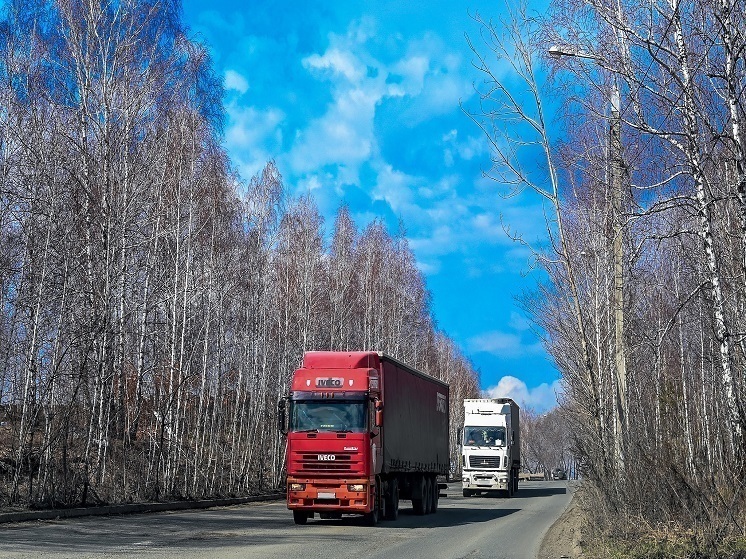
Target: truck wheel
point(392, 500)
point(371, 518)
point(436, 494)
point(381, 501)
point(515, 484)
point(300, 517)
point(418, 504)
point(467, 493)
point(428, 504)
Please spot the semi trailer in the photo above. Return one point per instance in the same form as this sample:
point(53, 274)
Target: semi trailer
point(363, 431)
point(491, 446)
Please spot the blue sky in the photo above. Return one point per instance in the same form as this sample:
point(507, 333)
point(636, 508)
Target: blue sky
point(358, 102)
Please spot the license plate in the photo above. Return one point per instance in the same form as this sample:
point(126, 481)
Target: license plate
point(324, 495)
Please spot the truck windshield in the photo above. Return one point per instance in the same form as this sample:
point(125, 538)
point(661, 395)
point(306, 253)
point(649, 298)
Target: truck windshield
point(310, 415)
point(484, 436)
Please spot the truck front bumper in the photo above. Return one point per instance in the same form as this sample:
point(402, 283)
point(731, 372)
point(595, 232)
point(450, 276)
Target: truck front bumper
point(330, 495)
point(485, 481)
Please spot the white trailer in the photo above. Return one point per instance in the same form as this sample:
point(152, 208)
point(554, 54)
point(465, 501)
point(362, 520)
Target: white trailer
point(491, 446)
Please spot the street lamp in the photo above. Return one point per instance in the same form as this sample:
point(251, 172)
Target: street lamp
point(616, 172)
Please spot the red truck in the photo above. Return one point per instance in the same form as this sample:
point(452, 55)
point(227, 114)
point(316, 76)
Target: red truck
point(363, 431)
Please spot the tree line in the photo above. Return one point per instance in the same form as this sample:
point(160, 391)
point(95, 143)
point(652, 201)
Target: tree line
point(152, 304)
point(643, 168)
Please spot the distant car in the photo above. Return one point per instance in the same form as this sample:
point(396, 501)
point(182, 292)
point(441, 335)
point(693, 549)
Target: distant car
point(559, 473)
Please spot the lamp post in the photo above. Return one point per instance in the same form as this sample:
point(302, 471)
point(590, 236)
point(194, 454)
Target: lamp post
point(616, 172)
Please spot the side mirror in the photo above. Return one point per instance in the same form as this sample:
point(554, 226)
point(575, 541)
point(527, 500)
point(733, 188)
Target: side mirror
point(379, 413)
point(281, 417)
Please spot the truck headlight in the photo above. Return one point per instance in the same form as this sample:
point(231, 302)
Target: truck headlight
point(358, 487)
point(297, 487)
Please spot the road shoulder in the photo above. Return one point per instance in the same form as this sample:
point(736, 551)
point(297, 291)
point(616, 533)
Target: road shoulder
point(134, 508)
point(563, 539)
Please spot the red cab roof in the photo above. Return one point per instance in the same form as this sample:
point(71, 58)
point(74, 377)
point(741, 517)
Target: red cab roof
point(341, 360)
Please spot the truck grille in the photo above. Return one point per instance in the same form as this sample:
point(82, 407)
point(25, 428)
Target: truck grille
point(484, 461)
point(309, 463)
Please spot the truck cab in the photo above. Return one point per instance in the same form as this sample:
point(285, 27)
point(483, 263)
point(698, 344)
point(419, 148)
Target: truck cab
point(490, 446)
point(332, 456)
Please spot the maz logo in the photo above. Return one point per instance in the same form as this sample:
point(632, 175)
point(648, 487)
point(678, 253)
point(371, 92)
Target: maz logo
point(326, 458)
point(330, 382)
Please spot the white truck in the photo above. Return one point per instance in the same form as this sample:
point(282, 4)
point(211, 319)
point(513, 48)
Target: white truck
point(491, 446)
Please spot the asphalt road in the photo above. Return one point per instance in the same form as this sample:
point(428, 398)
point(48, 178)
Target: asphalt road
point(472, 527)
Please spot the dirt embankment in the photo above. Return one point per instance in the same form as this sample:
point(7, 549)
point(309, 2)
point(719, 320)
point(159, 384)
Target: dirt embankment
point(563, 540)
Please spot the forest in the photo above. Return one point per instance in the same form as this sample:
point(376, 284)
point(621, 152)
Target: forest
point(153, 304)
point(628, 119)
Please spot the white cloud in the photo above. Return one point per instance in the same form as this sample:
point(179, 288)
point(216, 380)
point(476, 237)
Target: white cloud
point(234, 81)
point(451, 136)
point(362, 30)
point(334, 148)
point(428, 73)
point(253, 137)
point(340, 137)
point(412, 70)
point(428, 268)
point(338, 62)
point(541, 398)
point(472, 147)
point(394, 187)
point(504, 344)
point(249, 127)
point(344, 134)
point(309, 184)
point(436, 243)
point(519, 322)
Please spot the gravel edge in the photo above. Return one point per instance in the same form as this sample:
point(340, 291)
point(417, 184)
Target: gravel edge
point(133, 508)
point(563, 539)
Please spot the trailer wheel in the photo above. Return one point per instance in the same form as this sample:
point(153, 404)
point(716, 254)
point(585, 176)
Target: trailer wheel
point(428, 496)
point(300, 516)
point(418, 503)
point(392, 500)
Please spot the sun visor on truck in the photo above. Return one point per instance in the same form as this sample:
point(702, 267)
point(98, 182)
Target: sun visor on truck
point(303, 395)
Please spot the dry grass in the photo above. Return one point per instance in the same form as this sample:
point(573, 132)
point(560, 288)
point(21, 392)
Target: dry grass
point(587, 531)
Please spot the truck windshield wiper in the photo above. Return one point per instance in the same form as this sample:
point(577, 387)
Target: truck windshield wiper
point(308, 431)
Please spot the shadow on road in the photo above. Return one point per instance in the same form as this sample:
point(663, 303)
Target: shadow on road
point(452, 516)
point(526, 491)
point(247, 525)
point(236, 526)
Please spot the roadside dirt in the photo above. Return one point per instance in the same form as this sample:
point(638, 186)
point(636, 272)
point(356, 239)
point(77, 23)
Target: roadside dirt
point(563, 540)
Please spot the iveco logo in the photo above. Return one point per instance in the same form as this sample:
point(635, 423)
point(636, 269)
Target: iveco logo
point(326, 457)
point(330, 382)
